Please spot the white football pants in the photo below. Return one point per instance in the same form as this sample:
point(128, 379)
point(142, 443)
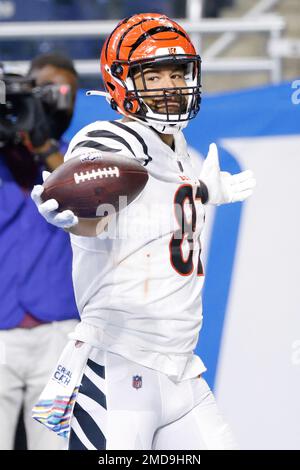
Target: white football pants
point(123, 405)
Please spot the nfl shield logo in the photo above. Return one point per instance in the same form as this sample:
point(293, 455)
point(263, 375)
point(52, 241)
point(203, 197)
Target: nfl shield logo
point(137, 381)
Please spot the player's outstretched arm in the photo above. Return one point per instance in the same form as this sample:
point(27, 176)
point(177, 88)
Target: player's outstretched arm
point(223, 187)
point(88, 227)
point(66, 220)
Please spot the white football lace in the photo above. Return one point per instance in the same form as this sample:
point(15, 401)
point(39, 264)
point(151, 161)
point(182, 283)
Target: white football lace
point(94, 174)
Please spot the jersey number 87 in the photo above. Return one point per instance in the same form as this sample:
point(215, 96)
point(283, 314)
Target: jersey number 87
point(185, 233)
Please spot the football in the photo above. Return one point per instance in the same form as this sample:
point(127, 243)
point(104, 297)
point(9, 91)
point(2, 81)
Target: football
point(88, 181)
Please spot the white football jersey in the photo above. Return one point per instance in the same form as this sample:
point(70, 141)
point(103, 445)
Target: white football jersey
point(138, 284)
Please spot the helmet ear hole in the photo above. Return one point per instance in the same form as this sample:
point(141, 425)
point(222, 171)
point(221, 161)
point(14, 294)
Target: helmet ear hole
point(116, 70)
point(128, 105)
point(113, 105)
point(111, 86)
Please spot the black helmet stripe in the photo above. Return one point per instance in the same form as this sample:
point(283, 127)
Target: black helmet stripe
point(127, 31)
point(151, 32)
point(109, 38)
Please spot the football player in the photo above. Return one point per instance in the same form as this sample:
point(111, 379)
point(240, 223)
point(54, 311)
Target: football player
point(139, 384)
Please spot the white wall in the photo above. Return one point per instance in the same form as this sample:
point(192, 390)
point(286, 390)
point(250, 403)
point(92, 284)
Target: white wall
point(258, 378)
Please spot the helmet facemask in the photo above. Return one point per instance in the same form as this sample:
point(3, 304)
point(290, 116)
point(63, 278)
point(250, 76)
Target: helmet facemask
point(166, 109)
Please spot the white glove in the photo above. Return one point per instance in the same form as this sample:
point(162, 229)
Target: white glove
point(222, 186)
point(48, 209)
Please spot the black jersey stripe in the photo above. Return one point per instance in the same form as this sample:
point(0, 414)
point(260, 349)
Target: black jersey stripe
point(137, 136)
point(151, 32)
point(95, 145)
point(110, 135)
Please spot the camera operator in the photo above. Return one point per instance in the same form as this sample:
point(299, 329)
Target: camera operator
point(37, 305)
